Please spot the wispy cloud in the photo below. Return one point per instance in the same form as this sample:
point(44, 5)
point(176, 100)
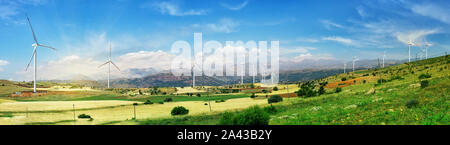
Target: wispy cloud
point(10, 8)
point(329, 24)
point(361, 11)
point(3, 63)
point(173, 9)
point(310, 40)
point(346, 41)
point(415, 35)
point(235, 7)
point(224, 25)
point(440, 13)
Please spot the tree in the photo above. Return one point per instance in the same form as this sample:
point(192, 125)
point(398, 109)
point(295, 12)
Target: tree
point(321, 90)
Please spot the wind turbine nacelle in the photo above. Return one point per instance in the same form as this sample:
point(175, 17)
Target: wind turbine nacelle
point(34, 45)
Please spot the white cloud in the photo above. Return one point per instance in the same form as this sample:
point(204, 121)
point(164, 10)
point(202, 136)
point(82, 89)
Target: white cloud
point(433, 11)
point(414, 35)
point(296, 50)
point(143, 60)
point(309, 56)
point(235, 7)
point(224, 25)
point(310, 40)
point(361, 11)
point(9, 8)
point(3, 63)
point(328, 24)
point(173, 9)
point(346, 41)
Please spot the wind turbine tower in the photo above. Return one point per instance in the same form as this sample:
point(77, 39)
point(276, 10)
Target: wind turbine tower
point(427, 44)
point(410, 43)
point(34, 55)
point(109, 62)
point(354, 60)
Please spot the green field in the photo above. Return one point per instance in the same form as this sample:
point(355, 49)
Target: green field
point(408, 94)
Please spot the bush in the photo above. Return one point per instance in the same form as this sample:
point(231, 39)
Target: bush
point(84, 116)
point(252, 116)
point(218, 101)
point(412, 103)
point(148, 102)
point(198, 95)
point(424, 83)
point(338, 90)
point(168, 100)
point(253, 95)
point(160, 102)
point(275, 88)
point(275, 99)
point(135, 104)
point(321, 90)
point(179, 110)
point(270, 109)
point(424, 76)
point(343, 79)
point(226, 118)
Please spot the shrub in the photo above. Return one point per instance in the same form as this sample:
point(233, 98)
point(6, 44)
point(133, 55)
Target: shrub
point(424, 76)
point(84, 116)
point(321, 90)
point(168, 100)
point(381, 81)
point(343, 79)
point(179, 110)
point(338, 90)
point(275, 99)
point(412, 103)
point(424, 83)
point(270, 109)
point(275, 88)
point(135, 104)
point(252, 116)
point(218, 101)
point(160, 102)
point(226, 118)
point(253, 95)
point(198, 95)
point(206, 103)
point(148, 102)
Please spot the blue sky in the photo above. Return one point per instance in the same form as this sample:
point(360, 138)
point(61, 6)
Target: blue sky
point(142, 31)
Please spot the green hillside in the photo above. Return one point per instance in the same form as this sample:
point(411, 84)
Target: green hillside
point(408, 94)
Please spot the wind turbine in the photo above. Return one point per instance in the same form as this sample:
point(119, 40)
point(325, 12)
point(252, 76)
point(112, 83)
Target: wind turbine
point(34, 55)
point(410, 43)
point(427, 44)
point(242, 73)
point(109, 62)
point(354, 60)
point(345, 66)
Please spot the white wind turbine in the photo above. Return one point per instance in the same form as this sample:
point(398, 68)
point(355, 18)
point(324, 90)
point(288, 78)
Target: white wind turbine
point(427, 44)
point(345, 66)
point(35, 45)
point(354, 60)
point(410, 43)
point(109, 62)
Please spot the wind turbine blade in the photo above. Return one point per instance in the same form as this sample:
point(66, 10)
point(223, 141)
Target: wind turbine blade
point(110, 50)
point(31, 59)
point(47, 46)
point(34, 36)
point(115, 65)
point(103, 64)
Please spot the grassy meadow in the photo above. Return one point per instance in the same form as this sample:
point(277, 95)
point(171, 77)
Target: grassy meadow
point(408, 94)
